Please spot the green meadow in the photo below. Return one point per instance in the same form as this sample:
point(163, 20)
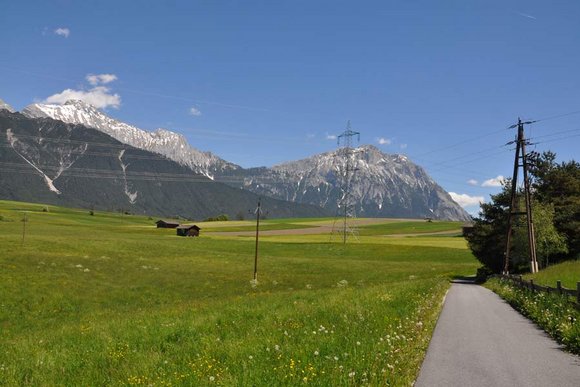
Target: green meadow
point(111, 300)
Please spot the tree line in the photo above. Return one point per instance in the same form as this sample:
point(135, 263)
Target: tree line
point(555, 212)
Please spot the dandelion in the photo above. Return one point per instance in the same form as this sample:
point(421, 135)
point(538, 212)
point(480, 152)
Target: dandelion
point(358, 343)
point(277, 347)
point(336, 358)
point(342, 283)
point(308, 286)
point(316, 353)
point(211, 378)
point(250, 357)
point(351, 374)
point(86, 270)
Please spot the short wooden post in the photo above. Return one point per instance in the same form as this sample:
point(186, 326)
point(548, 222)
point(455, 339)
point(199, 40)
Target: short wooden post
point(578, 292)
point(559, 286)
point(532, 284)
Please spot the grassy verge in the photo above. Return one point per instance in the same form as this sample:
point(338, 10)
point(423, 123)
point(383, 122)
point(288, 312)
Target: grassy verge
point(551, 312)
point(567, 272)
point(111, 300)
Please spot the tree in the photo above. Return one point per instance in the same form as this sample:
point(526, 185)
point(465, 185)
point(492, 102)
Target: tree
point(488, 239)
point(549, 241)
point(559, 184)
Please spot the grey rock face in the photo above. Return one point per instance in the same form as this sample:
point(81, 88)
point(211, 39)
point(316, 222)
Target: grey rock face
point(388, 185)
point(167, 143)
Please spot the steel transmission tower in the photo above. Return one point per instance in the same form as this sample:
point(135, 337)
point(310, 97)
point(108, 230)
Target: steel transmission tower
point(521, 155)
point(346, 211)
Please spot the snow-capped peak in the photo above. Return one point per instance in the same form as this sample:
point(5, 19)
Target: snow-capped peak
point(170, 144)
point(5, 106)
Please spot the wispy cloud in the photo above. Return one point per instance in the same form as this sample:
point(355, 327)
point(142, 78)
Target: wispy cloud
point(527, 15)
point(494, 182)
point(384, 141)
point(465, 200)
point(403, 146)
point(194, 111)
point(472, 182)
point(330, 136)
point(103, 79)
point(62, 31)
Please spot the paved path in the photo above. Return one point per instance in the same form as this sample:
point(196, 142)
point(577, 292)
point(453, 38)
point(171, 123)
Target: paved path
point(480, 340)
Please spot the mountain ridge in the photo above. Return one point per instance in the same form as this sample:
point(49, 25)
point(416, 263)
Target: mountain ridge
point(385, 184)
point(48, 161)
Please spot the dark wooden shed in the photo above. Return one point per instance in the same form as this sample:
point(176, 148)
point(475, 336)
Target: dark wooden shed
point(188, 230)
point(467, 229)
point(162, 223)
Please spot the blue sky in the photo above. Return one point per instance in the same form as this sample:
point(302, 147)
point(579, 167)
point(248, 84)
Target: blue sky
point(263, 82)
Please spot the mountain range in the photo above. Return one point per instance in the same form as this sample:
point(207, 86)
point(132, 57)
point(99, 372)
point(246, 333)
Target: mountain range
point(386, 185)
point(48, 161)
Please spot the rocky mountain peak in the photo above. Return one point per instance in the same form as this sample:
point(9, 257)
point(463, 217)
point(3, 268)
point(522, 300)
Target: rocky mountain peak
point(165, 142)
point(5, 106)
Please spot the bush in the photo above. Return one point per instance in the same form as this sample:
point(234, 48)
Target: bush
point(482, 274)
point(219, 218)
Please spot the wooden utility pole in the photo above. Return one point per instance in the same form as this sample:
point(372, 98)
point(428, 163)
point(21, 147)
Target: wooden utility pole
point(521, 154)
point(24, 220)
point(258, 211)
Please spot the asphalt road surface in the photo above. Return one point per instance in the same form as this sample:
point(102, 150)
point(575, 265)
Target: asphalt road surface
point(480, 340)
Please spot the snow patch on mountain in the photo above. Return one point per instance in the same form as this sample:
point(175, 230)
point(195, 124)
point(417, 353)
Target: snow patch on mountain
point(131, 195)
point(172, 145)
point(5, 106)
point(382, 184)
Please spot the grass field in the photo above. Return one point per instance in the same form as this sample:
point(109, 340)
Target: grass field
point(567, 272)
point(111, 300)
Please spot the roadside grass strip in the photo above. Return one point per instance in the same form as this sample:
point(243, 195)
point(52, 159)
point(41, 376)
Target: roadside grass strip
point(551, 312)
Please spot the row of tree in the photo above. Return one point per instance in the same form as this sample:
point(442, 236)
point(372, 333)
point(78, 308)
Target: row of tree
point(556, 215)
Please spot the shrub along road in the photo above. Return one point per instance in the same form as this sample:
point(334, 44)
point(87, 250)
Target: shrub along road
point(480, 340)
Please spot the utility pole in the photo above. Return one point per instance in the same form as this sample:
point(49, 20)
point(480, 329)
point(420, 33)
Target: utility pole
point(24, 220)
point(258, 212)
point(346, 208)
point(521, 143)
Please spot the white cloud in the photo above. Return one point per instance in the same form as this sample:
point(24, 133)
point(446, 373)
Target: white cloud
point(464, 200)
point(403, 146)
point(103, 79)
point(472, 182)
point(330, 136)
point(100, 97)
point(194, 111)
point(62, 31)
point(494, 182)
point(384, 141)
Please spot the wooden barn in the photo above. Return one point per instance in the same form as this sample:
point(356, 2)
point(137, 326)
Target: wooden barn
point(188, 230)
point(467, 229)
point(162, 223)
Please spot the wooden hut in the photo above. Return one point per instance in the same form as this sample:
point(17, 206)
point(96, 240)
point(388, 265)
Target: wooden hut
point(467, 229)
point(162, 223)
point(188, 230)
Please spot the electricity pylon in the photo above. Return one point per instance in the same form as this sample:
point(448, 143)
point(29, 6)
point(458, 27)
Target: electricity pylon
point(344, 166)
